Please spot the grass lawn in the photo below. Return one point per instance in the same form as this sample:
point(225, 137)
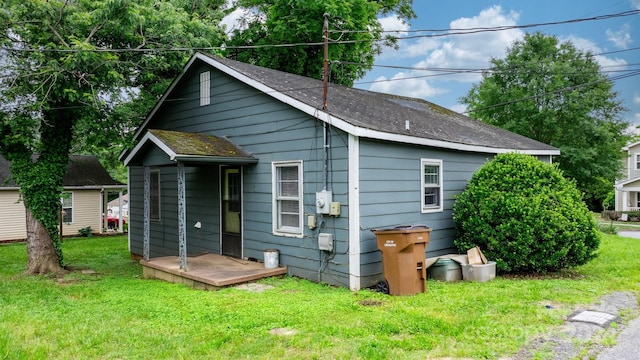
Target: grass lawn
point(116, 314)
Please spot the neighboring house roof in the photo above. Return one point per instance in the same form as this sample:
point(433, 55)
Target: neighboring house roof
point(371, 114)
point(629, 146)
point(83, 172)
point(116, 202)
point(622, 184)
point(193, 147)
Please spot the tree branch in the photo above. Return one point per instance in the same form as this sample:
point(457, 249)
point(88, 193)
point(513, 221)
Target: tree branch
point(55, 32)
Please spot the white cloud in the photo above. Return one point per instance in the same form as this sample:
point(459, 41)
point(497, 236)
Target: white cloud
point(636, 99)
point(395, 24)
point(459, 108)
point(622, 38)
point(474, 50)
point(468, 51)
point(403, 84)
point(239, 18)
point(233, 20)
point(606, 63)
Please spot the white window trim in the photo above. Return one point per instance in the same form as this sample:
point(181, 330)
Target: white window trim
point(205, 88)
point(431, 209)
point(637, 159)
point(72, 197)
point(286, 231)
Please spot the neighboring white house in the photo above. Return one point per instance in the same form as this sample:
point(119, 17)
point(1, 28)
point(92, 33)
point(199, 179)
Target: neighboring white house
point(114, 206)
point(84, 200)
point(628, 188)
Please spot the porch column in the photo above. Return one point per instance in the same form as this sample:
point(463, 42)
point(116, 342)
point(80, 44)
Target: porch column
point(120, 224)
point(147, 213)
point(625, 200)
point(104, 200)
point(182, 218)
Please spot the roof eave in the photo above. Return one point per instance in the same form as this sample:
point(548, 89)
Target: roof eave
point(95, 187)
point(374, 134)
point(214, 159)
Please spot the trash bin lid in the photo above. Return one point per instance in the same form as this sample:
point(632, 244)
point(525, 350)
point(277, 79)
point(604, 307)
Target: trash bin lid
point(411, 227)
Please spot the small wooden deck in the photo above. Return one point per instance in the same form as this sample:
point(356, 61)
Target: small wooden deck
point(208, 271)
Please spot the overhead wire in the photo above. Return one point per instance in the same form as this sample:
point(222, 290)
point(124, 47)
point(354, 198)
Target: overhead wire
point(474, 30)
point(445, 32)
point(438, 71)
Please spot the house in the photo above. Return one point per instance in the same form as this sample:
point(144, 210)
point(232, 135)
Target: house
point(121, 203)
point(86, 184)
point(237, 159)
point(627, 189)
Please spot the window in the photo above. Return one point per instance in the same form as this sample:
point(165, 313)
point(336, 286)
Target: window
point(205, 88)
point(637, 161)
point(67, 207)
point(154, 195)
point(287, 197)
point(431, 185)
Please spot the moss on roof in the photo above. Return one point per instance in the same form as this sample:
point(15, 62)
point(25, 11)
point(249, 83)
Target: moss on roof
point(183, 143)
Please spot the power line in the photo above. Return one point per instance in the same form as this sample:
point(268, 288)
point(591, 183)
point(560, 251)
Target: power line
point(554, 92)
point(447, 32)
point(463, 31)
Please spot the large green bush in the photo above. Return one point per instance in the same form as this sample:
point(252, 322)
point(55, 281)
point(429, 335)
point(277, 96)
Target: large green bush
point(526, 216)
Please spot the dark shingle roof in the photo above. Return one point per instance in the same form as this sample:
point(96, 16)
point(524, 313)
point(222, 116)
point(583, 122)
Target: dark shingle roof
point(82, 171)
point(387, 113)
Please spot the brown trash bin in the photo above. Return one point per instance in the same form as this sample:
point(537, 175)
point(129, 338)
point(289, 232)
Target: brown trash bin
point(403, 257)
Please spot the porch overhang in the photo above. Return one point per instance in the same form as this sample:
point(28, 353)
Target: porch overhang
point(629, 185)
point(192, 148)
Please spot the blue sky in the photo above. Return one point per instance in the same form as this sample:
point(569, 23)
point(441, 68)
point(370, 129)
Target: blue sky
point(620, 35)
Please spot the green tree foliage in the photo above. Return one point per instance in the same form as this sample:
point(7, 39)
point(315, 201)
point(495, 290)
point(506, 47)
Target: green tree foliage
point(526, 216)
point(556, 94)
point(356, 35)
point(78, 73)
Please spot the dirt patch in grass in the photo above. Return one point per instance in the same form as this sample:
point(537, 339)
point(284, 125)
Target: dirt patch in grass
point(370, 302)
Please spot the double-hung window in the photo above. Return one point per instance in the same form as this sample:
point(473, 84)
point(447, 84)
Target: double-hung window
point(154, 195)
point(287, 197)
point(637, 161)
point(431, 185)
point(67, 207)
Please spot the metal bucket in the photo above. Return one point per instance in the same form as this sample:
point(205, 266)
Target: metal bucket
point(445, 270)
point(271, 258)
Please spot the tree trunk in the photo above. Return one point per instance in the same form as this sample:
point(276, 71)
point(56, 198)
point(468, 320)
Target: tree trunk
point(42, 257)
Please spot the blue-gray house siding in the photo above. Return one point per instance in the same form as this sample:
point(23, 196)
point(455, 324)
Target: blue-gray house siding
point(276, 129)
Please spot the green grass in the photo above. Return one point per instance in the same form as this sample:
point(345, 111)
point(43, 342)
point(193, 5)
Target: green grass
point(116, 314)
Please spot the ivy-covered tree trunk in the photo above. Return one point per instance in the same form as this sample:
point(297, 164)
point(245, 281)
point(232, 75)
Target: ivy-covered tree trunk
point(41, 178)
point(42, 257)
point(66, 67)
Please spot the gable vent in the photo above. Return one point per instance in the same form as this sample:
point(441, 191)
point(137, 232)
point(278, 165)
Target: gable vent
point(205, 88)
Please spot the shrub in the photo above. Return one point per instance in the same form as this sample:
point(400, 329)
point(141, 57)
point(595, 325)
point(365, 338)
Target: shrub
point(526, 216)
point(85, 231)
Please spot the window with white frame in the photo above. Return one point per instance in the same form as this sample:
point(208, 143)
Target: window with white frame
point(431, 185)
point(638, 161)
point(205, 88)
point(154, 195)
point(287, 197)
point(67, 207)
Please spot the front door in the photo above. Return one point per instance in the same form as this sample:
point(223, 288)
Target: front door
point(231, 212)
